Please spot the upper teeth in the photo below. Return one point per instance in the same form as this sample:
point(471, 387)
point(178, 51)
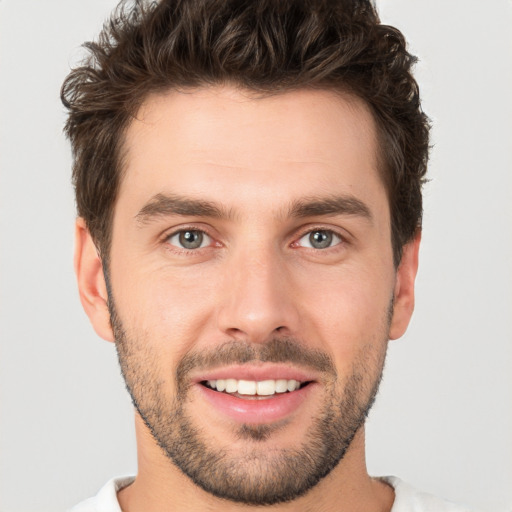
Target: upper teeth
point(253, 387)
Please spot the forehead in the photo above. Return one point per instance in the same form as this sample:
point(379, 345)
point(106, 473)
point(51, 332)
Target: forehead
point(214, 140)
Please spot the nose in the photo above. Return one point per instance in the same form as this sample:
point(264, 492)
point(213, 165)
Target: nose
point(259, 299)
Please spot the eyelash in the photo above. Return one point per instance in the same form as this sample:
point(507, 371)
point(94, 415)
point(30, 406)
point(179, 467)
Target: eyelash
point(309, 230)
point(183, 250)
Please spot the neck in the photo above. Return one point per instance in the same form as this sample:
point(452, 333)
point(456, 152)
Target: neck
point(161, 486)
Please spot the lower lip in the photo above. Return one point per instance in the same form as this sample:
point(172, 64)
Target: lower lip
point(257, 410)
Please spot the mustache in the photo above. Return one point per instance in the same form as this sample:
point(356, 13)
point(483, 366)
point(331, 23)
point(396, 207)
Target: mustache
point(276, 350)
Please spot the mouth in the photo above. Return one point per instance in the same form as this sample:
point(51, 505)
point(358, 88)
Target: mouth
point(255, 389)
point(257, 395)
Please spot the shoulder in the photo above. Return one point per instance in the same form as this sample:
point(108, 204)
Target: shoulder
point(408, 499)
point(106, 499)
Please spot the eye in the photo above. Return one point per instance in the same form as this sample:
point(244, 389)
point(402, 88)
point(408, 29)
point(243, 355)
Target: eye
point(189, 239)
point(320, 239)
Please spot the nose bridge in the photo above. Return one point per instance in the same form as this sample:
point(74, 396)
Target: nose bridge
point(259, 301)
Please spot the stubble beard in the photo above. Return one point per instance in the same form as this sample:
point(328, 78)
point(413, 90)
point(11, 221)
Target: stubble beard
point(258, 476)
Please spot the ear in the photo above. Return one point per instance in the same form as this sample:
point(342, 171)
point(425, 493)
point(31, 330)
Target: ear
point(404, 288)
point(91, 281)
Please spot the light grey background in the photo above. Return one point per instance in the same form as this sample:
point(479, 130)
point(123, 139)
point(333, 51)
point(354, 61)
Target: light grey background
point(443, 420)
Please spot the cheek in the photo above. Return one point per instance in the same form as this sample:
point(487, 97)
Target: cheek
point(168, 310)
point(349, 310)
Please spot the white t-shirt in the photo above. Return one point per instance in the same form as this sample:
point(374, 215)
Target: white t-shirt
point(407, 499)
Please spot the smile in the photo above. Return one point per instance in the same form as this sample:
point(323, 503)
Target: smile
point(267, 387)
point(256, 401)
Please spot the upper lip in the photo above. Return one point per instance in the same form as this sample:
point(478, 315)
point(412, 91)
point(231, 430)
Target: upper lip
point(263, 371)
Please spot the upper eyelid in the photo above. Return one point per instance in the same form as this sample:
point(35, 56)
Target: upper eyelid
point(342, 233)
point(333, 231)
point(174, 231)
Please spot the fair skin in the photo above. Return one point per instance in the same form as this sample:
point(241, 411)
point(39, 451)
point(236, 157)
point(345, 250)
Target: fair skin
point(269, 169)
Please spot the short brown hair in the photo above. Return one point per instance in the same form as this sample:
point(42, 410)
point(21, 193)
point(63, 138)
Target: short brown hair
point(267, 46)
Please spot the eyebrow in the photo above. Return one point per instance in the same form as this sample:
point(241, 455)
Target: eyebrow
point(332, 205)
point(162, 205)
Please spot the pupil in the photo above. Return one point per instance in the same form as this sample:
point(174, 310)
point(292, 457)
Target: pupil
point(191, 239)
point(320, 239)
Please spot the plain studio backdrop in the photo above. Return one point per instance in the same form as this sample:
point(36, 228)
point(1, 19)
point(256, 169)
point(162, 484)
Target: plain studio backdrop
point(443, 419)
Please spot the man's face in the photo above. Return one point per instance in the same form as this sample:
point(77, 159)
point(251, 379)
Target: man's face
point(251, 251)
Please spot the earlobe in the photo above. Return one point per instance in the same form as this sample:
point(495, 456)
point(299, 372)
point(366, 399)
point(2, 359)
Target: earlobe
point(91, 281)
point(404, 288)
